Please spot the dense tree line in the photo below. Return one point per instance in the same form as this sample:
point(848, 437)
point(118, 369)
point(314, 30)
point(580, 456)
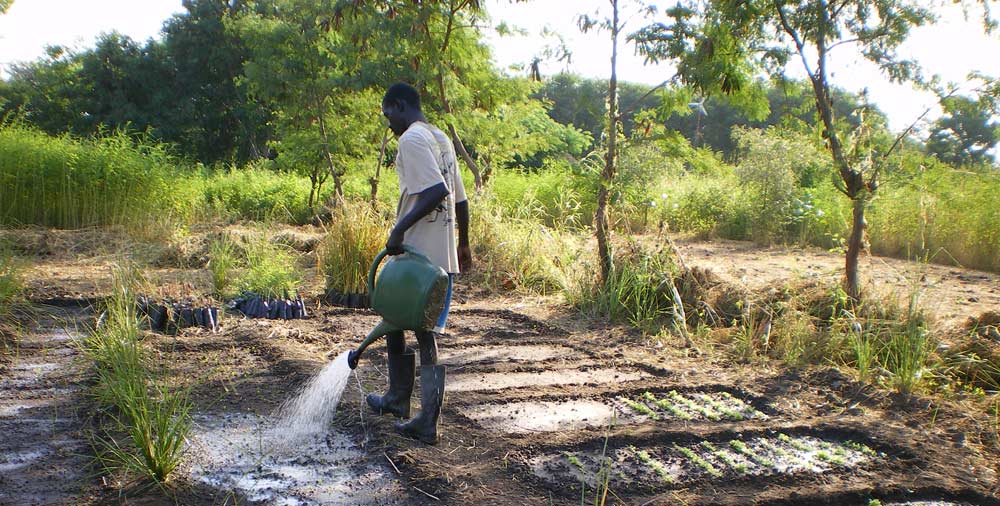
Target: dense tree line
point(232, 81)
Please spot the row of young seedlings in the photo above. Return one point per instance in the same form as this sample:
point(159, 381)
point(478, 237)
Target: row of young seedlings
point(715, 407)
point(760, 456)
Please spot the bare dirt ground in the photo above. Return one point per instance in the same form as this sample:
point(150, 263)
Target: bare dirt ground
point(951, 294)
point(542, 407)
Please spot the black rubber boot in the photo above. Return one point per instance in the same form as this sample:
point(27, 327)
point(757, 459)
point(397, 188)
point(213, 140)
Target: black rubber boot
point(424, 425)
point(427, 342)
point(396, 400)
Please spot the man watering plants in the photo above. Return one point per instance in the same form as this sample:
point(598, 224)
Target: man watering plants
point(432, 199)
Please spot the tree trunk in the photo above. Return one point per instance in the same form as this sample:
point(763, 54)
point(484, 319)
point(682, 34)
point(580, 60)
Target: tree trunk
point(337, 183)
point(378, 168)
point(459, 146)
point(608, 174)
point(855, 244)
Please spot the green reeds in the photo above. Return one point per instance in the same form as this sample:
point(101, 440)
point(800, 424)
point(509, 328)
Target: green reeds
point(145, 422)
point(222, 260)
point(70, 183)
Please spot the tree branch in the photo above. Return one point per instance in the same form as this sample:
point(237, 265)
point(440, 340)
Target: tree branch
point(636, 102)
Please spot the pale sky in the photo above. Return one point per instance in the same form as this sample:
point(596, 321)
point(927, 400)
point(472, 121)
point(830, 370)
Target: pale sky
point(951, 48)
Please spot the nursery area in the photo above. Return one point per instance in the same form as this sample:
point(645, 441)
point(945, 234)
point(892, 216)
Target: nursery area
point(735, 287)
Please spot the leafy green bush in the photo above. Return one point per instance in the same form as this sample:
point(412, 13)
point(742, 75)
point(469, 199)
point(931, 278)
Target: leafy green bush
point(767, 171)
point(257, 193)
point(705, 206)
point(355, 234)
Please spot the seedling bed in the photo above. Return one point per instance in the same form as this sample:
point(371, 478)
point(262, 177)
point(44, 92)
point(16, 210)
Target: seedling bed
point(668, 465)
point(550, 413)
point(718, 406)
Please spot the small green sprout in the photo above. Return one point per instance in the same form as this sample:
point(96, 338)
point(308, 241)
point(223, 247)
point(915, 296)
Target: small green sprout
point(698, 461)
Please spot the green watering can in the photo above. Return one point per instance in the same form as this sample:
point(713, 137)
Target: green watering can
point(409, 295)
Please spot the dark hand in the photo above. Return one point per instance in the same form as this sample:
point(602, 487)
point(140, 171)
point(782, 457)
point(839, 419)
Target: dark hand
point(394, 246)
point(464, 258)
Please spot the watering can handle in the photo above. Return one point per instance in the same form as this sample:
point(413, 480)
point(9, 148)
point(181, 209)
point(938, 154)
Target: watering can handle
point(378, 260)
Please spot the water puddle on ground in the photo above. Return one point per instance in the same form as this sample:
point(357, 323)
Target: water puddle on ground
point(467, 382)
point(675, 465)
point(242, 454)
point(474, 354)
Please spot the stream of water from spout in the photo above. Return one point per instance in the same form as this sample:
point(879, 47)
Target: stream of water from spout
point(310, 412)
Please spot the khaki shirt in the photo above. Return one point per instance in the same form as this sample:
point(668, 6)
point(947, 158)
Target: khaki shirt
point(426, 157)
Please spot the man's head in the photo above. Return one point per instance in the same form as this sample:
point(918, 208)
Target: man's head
point(401, 106)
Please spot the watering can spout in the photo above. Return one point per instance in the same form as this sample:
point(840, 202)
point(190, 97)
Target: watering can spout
point(382, 329)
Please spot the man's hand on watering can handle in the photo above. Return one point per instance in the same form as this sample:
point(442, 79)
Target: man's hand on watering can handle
point(394, 246)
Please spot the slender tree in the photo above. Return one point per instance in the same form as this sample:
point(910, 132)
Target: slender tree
point(731, 40)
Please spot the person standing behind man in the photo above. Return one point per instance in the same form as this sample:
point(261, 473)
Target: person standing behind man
point(431, 201)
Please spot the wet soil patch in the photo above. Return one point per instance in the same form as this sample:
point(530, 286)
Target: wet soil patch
point(43, 454)
point(497, 381)
point(555, 414)
point(240, 454)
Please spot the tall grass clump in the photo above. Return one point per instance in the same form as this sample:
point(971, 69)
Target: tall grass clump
point(355, 234)
point(65, 182)
point(639, 289)
point(11, 303)
point(515, 250)
point(908, 350)
point(271, 269)
point(145, 422)
point(222, 262)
